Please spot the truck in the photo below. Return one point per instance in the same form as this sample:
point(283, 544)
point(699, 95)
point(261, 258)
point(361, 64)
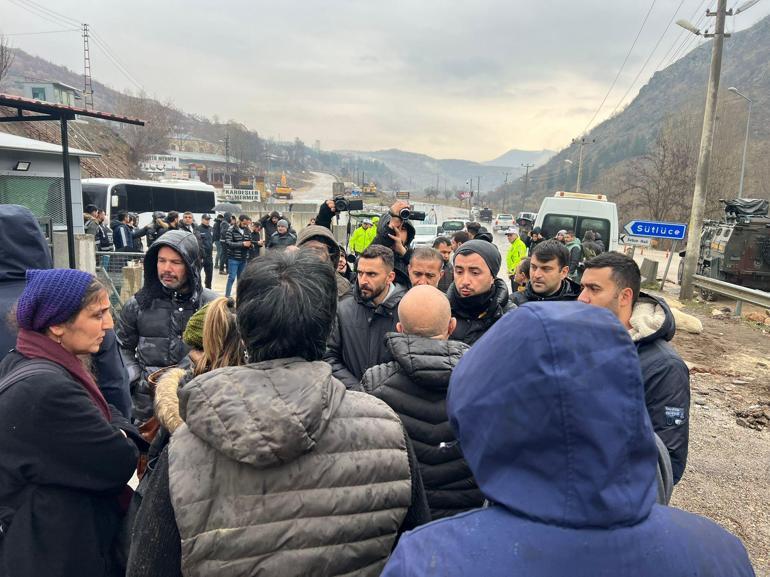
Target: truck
point(736, 248)
point(485, 215)
point(369, 189)
point(283, 190)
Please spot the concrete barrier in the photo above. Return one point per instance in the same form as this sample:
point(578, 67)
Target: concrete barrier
point(649, 271)
point(85, 252)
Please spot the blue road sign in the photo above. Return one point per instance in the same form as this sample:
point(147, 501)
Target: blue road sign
point(670, 230)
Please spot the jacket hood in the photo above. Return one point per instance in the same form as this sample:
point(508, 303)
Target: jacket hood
point(651, 320)
point(557, 431)
point(264, 414)
point(186, 245)
point(22, 244)
point(427, 362)
point(166, 400)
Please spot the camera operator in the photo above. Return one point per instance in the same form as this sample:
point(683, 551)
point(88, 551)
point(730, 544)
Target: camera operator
point(397, 234)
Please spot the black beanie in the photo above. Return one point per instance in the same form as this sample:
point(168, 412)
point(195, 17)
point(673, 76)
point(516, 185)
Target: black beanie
point(485, 250)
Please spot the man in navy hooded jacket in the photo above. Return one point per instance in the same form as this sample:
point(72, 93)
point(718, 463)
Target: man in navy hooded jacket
point(558, 438)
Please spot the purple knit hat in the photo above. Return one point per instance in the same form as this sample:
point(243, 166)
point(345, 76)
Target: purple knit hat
point(51, 297)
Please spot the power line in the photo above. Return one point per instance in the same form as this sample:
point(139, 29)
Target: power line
point(628, 54)
point(44, 32)
point(99, 43)
point(654, 48)
point(37, 13)
point(53, 13)
point(678, 39)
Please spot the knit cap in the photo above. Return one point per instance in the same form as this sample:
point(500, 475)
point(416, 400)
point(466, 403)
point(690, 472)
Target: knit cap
point(51, 297)
point(485, 250)
point(193, 332)
point(282, 222)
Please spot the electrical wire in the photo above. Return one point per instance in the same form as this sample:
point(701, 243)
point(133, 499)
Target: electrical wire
point(99, 43)
point(681, 39)
point(622, 66)
point(31, 5)
point(44, 32)
point(652, 52)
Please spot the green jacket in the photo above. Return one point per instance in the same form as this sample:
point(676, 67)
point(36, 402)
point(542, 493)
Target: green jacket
point(516, 253)
point(360, 239)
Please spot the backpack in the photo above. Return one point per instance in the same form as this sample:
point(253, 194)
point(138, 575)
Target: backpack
point(589, 251)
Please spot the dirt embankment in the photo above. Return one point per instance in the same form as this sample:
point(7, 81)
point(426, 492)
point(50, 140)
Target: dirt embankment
point(728, 468)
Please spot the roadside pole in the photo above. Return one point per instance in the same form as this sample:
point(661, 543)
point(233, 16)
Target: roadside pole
point(706, 144)
point(668, 264)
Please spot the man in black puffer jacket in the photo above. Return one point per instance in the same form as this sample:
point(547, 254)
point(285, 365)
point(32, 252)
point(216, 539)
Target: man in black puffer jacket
point(151, 323)
point(478, 299)
point(415, 386)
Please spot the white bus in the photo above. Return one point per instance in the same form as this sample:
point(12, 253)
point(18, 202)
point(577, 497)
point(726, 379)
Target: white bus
point(144, 197)
point(579, 212)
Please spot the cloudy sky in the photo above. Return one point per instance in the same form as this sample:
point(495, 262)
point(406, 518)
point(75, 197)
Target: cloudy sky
point(443, 77)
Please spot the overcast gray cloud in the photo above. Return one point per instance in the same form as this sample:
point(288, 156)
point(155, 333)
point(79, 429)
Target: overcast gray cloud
point(442, 77)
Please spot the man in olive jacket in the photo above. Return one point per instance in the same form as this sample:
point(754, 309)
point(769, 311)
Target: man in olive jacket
point(415, 385)
point(278, 469)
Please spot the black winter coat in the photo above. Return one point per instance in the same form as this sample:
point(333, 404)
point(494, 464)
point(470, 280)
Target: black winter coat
point(472, 324)
point(569, 291)
point(234, 239)
point(278, 240)
point(357, 340)
point(205, 241)
point(62, 471)
point(666, 380)
point(415, 386)
point(151, 324)
point(22, 247)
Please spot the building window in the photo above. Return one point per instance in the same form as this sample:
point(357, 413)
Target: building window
point(38, 93)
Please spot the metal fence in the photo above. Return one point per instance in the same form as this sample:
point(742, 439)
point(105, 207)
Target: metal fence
point(121, 284)
point(739, 293)
point(43, 195)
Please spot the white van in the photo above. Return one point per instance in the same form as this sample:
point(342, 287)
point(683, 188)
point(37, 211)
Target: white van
point(579, 212)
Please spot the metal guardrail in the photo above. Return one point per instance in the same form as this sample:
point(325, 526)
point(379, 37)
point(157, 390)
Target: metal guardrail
point(739, 293)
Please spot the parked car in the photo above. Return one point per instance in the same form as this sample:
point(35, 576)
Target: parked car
point(449, 227)
point(425, 234)
point(502, 222)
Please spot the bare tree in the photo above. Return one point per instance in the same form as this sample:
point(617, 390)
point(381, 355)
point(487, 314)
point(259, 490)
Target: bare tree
point(153, 137)
point(6, 56)
point(658, 185)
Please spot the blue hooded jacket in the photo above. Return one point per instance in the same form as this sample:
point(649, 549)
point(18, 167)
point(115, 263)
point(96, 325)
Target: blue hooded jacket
point(559, 440)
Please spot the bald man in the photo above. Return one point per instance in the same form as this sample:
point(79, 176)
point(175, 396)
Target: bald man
point(415, 385)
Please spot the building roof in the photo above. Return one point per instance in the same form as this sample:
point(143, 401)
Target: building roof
point(54, 82)
point(13, 142)
point(202, 156)
point(58, 111)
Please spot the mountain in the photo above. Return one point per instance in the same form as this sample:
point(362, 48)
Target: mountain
point(515, 157)
point(669, 110)
point(415, 172)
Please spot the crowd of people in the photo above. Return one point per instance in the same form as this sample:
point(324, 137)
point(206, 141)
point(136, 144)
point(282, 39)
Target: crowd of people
point(399, 411)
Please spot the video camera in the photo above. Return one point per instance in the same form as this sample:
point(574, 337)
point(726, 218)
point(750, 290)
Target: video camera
point(408, 214)
point(341, 204)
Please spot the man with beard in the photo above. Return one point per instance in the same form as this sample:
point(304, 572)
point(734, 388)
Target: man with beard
point(477, 297)
point(357, 339)
point(548, 275)
point(152, 322)
point(321, 240)
point(426, 266)
point(612, 281)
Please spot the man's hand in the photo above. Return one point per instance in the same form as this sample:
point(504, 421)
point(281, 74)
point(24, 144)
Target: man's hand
point(398, 206)
point(398, 241)
point(331, 205)
point(247, 243)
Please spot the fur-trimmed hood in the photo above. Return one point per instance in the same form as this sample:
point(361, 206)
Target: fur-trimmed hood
point(651, 319)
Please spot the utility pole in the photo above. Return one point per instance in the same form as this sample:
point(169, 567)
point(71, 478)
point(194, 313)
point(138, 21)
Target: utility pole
point(706, 143)
point(505, 189)
point(581, 143)
point(525, 194)
point(478, 188)
point(227, 159)
point(88, 88)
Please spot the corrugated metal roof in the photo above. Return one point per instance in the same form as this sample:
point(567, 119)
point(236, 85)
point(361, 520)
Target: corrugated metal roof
point(204, 156)
point(13, 142)
point(31, 105)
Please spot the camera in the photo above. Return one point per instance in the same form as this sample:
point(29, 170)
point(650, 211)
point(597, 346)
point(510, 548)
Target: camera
point(407, 214)
point(342, 204)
